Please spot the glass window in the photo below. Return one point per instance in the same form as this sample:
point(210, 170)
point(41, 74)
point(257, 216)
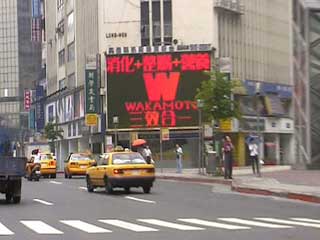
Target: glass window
point(123, 158)
point(62, 83)
point(80, 157)
point(61, 57)
point(71, 52)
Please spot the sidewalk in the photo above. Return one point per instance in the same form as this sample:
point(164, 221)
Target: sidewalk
point(280, 181)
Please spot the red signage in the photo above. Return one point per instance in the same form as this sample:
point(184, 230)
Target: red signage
point(155, 90)
point(27, 100)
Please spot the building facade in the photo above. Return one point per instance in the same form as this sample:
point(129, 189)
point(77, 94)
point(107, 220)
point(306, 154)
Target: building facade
point(249, 39)
point(306, 73)
point(20, 63)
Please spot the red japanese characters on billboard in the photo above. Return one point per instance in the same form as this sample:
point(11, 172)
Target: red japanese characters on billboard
point(27, 100)
point(155, 89)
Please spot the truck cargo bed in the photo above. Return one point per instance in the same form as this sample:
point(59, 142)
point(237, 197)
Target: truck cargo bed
point(12, 166)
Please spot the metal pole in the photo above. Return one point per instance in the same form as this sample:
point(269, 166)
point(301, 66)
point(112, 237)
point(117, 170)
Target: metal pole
point(161, 154)
point(199, 151)
point(258, 124)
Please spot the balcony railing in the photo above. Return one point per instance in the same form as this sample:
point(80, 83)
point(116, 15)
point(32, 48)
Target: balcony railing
point(234, 6)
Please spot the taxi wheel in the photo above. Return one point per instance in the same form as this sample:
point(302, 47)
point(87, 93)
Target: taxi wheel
point(89, 185)
point(108, 186)
point(146, 189)
point(127, 189)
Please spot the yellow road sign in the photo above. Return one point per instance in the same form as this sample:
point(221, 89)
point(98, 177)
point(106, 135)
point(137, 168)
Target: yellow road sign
point(91, 119)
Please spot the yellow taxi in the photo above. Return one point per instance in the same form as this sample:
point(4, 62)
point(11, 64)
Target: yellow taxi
point(77, 164)
point(48, 165)
point(121, 169)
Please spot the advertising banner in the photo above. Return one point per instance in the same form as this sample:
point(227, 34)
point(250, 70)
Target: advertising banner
point(40, 115)
point(92, 95)
point(27, 99)
point(155, 89)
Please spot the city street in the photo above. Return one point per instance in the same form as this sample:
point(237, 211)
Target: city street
point(63, 209)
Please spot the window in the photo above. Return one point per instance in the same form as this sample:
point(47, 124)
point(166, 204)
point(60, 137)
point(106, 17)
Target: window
point(60, 28)
point(60, 4)
point(71, 52)
point(123, 158)
point(156, 23)
point(71, 81)
point(61, 57)
point(62, 83)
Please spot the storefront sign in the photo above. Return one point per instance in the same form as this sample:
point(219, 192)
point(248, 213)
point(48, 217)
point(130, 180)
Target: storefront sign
point(165, 135)
point(225, 125)
point(92, 96)
point(27, 100)
point(156, 89)
point(40, 116)
point(91, 119)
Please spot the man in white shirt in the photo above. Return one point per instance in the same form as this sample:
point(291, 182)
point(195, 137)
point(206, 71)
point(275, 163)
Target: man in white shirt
point(254, 157)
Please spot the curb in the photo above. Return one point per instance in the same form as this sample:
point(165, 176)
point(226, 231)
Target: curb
point(196, 180)
point(288, 195)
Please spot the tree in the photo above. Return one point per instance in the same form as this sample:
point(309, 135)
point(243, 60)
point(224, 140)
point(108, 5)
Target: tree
point(52, 134)
point(216, 95)
point(218, 104)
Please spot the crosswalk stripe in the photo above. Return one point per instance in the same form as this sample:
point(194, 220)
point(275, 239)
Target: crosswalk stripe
point(4, 230)
point(169, 224)
point(306, 220)
point(275, 220)
point(212, 224)
point(254, 223)
point(129, 226)
point(86, 227)
point(41, 227)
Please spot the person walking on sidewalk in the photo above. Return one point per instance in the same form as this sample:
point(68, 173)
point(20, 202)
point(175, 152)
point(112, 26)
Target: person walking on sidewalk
point(228, 159)
point(254, 156)
point(179, 154)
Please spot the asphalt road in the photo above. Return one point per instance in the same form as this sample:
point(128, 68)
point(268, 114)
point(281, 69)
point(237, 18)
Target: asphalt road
point(63, 209)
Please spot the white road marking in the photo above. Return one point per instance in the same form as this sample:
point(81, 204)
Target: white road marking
point(55, 182)
point(41, 227)
point(83, 188)
point(140, 200)
point(212, 224)
point(254, 223)
point(306, 220)
point(86, 227)
point(43, 202)
point(4, 230)
point(169, 224)
point(129, 226)
point(275, 220)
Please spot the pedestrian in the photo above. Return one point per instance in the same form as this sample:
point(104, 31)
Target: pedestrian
point(228, 159)
point(254, 156)
point(147, 154)
point(179, 154)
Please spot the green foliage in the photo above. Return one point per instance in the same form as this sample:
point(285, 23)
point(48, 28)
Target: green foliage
point(216, 95)
point(52, 133)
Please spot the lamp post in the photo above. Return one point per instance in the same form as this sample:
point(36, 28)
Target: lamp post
point(258, 90)
point(200, 158)
point(115, 121)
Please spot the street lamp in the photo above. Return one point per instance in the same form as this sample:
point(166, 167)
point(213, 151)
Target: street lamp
point(200, 105)
point(258, 90)
point(115, 121)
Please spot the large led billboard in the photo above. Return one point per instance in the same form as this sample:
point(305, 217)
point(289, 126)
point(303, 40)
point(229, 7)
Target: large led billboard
point(155, 89)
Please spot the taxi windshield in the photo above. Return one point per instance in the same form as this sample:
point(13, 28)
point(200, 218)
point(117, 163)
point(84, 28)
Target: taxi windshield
point(121, 158)
point(79, 157)
point(46, 157)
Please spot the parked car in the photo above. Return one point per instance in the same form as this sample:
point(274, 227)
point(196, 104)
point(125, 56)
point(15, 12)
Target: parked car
point(123, 169)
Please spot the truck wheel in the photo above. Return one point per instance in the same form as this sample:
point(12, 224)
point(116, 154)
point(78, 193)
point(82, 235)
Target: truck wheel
point(8, 197)
point(16, 199)
point(146, 189)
